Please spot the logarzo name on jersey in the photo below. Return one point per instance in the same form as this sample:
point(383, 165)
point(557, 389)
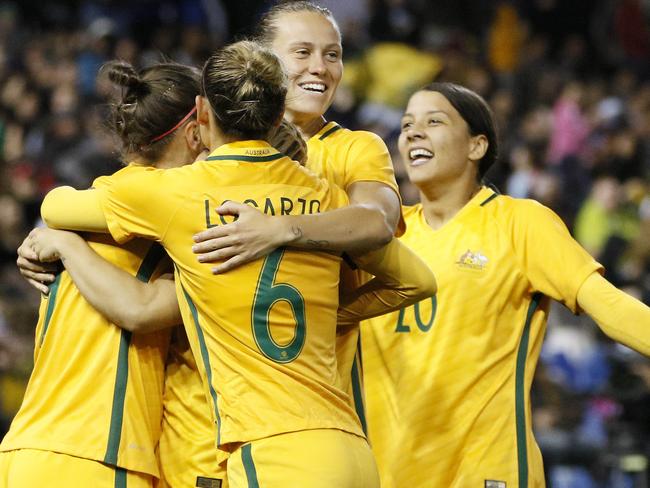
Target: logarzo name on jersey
point(270, 206)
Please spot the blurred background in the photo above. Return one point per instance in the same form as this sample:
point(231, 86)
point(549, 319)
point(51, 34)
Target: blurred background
point(569, 82)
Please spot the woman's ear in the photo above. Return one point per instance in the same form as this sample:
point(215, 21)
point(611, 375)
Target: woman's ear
point(478, 147)
point(193, 136)
point(203, 119)
point(202, 110)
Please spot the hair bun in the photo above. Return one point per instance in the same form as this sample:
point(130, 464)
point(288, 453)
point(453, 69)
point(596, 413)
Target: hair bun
point(123, 74)
point(247, 89)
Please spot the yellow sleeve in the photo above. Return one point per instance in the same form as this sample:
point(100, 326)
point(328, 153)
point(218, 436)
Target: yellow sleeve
point(104, 181)
point(369, 160)
point(620, 316)
point(83, 210)
point(70, 209)
point(336, 197)
point(554, 263)
point(135, 205)
point(401, 279)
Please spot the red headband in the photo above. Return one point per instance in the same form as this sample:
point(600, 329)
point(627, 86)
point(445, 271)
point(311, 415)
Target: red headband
point(155, 139)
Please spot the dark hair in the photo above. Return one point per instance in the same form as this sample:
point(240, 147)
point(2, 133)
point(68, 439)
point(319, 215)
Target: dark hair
point(287, 139)
point(266, 28)
point(246, 87)
point(478, 116)
point(152, 103)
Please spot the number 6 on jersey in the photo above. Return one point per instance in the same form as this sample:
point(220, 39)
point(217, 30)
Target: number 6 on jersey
point(267, 294)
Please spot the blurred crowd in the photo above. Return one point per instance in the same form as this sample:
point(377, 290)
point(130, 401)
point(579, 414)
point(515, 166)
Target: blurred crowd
point(569, 83)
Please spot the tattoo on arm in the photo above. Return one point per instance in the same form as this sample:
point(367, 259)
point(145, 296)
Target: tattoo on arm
point(297, 232)
point(318, 244)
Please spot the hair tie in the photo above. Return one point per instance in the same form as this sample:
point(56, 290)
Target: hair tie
point(182, 121)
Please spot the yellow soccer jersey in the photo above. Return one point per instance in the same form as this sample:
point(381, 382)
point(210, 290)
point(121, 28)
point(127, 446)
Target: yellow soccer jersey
point(186, 448)
point(96, 390)
point(448, 379)
point(263, 334)
point(346, 157)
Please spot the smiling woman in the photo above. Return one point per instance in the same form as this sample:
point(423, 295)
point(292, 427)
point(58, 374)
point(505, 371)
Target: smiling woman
point(463, 147)
point(307, 40)
point(263, 335)
point(448, 380)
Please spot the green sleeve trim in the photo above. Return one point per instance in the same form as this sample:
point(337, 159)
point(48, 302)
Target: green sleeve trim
point(153, 257)
point(149, 263)
point(206, 360)
point(54, 289)
point(119, 398)
point(357, 388)
point(120, 478)
point(520, 393)
point(249, 466)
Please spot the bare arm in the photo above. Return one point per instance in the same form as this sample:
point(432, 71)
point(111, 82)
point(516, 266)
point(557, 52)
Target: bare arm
point(379, 196)
point(401, 278)
point(366, 224)
point(620, 316)
point(120, 297)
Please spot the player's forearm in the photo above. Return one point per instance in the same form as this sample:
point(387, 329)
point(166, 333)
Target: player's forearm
point(67, 208)
point(401, 279)
point(619, 315)
point(120, 297)
point(379, 196)
point(356, 228)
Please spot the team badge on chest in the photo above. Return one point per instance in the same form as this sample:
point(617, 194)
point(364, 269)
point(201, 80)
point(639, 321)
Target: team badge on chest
point(472, 260)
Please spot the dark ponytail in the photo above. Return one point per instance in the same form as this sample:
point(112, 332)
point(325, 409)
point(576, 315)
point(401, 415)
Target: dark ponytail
point(151, 103)
point(124, 75)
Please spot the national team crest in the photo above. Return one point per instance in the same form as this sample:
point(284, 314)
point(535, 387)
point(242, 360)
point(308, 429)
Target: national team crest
point(472, 260)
